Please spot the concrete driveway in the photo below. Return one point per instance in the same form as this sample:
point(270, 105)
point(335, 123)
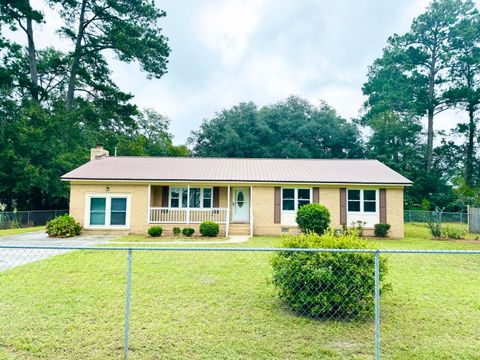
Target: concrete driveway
point(10, 258)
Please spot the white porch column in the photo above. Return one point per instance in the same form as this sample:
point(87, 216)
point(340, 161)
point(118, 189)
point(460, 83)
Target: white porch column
point(188, 204)
point(251, 211)
point(228, 211)
point(148, 202)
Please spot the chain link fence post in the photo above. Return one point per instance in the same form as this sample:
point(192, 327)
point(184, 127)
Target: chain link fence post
point(377, 305)
point(127, 305)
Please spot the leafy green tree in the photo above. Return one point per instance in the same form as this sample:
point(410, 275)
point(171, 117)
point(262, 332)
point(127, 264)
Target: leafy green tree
point(464, 90)
point(292, 128)
point(151, 138)
point(412, 73)
point(40, 137)
point(396, 142)
point(128, 28)
point(20, 14)
point(428, 45)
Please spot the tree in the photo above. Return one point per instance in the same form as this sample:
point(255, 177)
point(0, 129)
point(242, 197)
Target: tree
point(128, 28)
point(396, 142)
point(411, 74)
point(429, 48)
point(464, 90)
point(19, 13)
point(292, 128)
point(40, 139)
point(151, 138)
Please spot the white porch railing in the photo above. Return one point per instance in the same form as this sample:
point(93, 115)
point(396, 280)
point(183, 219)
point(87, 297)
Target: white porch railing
point(162, 215)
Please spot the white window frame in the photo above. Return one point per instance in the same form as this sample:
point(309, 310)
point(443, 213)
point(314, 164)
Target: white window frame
point(362, 211)
point(295, 198)
point(108, 204)
point(180, 204)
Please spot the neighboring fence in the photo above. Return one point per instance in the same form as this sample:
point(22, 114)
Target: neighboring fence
point(19, 219)
point(474, 220)
point(424, 216)
point(180, 302)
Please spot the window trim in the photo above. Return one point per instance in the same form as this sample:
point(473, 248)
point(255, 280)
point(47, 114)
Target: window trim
point(108, 205)
point(295, 198)
point(362, 202)
point(180, 203)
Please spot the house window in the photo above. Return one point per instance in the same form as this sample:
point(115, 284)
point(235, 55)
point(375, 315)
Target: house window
point(354, 200)
point(369, 201)
point(288, 199)
point(107, 210)
point(97, 210)
point(207, 197)
point(118, 211)
point(303, 197)
point(362, 200)
point(294, 199)
point(199, 197)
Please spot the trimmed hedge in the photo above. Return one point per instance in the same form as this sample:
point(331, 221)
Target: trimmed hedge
point(381, 230)
point(63, 226)
point(209, 228)
point(188, 231)
point(313, 218)
point(176, 231)
point(327, 285)
point(155, 231)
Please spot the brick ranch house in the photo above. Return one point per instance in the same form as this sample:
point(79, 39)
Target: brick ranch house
point(245, 196)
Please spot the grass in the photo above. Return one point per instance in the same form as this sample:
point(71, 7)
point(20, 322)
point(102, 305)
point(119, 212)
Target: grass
point(14, 231)
point(209, 305)
point(144, 238)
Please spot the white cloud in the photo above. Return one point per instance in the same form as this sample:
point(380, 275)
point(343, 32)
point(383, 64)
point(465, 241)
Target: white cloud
point(226, 28)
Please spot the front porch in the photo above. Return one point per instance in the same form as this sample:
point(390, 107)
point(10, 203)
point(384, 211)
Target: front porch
point(191, 204)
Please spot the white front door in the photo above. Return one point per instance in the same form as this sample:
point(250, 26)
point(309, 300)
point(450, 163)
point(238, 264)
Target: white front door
point(240, 205)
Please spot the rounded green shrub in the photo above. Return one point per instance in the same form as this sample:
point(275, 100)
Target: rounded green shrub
point(63, 226)
point(381, 230)
point(188, 231)
point(209, 228)
point(176, 231)
point(313, 218)
point(155, 231)
point(327, 285)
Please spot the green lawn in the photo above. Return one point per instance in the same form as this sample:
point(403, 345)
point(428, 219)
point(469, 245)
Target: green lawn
point(144, 238)
point(221, 305)
point(14, 231)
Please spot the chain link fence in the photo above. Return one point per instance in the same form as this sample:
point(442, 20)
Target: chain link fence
point(424, 216)
point(21, 219)
point(238, 303)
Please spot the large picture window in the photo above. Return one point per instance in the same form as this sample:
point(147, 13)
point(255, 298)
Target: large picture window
point(293, 199)
point(199, 197)
point(107, 210)
point(362, 201)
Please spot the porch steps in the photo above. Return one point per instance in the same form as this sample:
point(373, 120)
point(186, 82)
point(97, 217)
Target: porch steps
point(239, 229)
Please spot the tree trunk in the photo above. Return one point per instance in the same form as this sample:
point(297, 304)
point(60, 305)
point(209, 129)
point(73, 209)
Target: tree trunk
point(470, 147)
point(76, 58)
point(430, 140)
point(430, 114)
point(32, 59)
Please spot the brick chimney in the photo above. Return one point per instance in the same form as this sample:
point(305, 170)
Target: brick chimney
point(98, 152)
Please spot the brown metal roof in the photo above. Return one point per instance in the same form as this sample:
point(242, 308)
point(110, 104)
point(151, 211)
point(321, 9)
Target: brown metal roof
point(237, 170)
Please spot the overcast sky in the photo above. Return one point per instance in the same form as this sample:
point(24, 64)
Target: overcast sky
point(228, 51)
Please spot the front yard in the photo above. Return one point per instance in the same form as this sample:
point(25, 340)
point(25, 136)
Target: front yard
point(206, 305)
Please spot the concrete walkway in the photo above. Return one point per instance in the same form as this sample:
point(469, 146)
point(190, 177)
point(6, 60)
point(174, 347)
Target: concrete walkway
point(235, 239)
point(10, 258)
